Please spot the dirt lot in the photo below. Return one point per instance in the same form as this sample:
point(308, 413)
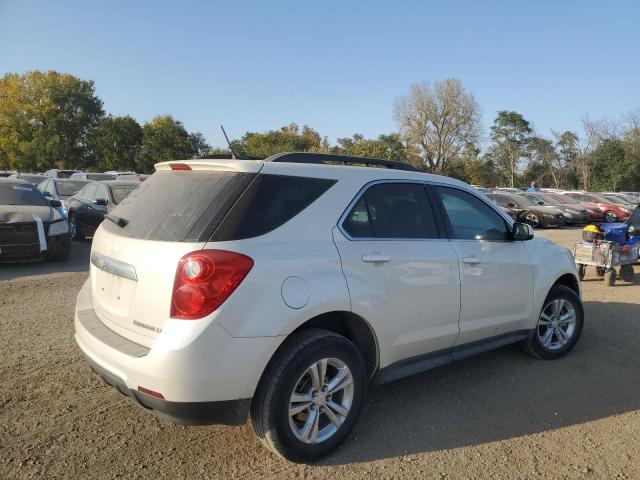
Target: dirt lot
point(499, 415)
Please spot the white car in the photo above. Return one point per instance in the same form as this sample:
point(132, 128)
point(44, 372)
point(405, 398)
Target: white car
point(278, 289)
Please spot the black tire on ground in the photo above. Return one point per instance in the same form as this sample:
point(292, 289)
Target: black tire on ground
point(270, 406)
point(76, 233)
point(533, 345)
point(582, 269)
point(610, 277)
point(63, 253)
point(627, 273)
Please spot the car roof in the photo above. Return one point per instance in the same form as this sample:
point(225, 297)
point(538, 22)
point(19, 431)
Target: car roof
point(70, 180)
point(115, 183)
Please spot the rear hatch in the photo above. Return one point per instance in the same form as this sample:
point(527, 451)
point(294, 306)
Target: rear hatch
point(135, 253)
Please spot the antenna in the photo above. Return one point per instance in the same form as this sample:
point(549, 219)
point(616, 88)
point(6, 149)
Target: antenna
point(233, 153)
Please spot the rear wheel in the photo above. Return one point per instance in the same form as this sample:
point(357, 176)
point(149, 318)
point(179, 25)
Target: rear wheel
point(582, 269)
point(559, 325)
point(310, 396)
point(610, 216)
point(627, 273)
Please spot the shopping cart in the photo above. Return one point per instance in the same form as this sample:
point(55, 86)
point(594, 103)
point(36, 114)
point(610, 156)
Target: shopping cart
point(606, 257)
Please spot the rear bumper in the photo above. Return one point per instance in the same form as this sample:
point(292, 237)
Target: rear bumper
point(205, 375)
point(229, 412)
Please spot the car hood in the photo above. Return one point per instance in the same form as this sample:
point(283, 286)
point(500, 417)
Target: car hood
point(25, 213)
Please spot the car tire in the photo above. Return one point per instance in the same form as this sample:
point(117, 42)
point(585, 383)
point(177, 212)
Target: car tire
point(533, 220)
point(288, 385)
point(610, 216)
point(556, 331)
point(74, 230)
point(627, 273)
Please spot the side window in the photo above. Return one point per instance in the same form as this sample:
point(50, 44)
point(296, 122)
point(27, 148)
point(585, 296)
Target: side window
point(392, 210)
point(470, 218)
point(101, 192)
point(89, 191)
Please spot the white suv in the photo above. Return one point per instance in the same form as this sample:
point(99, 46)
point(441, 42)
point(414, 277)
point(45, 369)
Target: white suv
point(278, 289)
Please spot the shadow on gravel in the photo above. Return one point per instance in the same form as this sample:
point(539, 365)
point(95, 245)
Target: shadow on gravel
point(78, 261)
point(505, 394)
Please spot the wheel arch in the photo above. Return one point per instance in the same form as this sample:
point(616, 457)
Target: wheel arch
point(568, 280)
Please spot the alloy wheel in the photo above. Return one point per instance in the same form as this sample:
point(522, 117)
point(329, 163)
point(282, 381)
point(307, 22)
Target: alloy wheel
point(557, 324)
point(610, 217)
point(321, 400)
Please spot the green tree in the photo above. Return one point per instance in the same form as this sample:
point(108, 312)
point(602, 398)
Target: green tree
point(510, 133)
point(289, 138)
point(164, 138)
point(45, 120)
point(116, 144)
point(385, 146)
point(543, 152)
point(611, 168)
point(198, 144)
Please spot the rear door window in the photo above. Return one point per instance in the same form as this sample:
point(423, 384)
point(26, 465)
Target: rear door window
point(392, 210)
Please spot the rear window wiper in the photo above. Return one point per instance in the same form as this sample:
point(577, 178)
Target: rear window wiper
point(121, 222)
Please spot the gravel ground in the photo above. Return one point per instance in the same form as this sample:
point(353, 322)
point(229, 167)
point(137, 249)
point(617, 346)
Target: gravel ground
point(501, 415)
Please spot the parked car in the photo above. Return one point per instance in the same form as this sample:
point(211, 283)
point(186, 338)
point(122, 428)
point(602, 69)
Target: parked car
point(61, 189)
point(281, 287)
point(30, 227)
point(33, 178)
point(57, 173)
point(635, 195)
point(528, 212)
point(596, 212)
point(507, 190)
point(7, 173)
point(621, 199)
point(87, 208)
point(613, 212)
point(572, 215)
point(93, 176)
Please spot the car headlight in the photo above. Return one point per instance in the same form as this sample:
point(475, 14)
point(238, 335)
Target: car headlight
point(58, 228)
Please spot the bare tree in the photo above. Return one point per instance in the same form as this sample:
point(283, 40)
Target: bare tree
point(595, 131)
point(437, 120)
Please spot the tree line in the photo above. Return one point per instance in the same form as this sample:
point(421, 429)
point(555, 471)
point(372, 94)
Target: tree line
point(51, 119)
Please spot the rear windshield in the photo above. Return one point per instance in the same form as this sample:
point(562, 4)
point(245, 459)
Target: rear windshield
point(199, 206)
point(65, 173)
point(178, 206)
point(21, 194)
point(66, 189)
point(120, 192)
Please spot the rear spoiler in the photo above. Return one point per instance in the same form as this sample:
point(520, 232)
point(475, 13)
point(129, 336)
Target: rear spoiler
point(243, 166)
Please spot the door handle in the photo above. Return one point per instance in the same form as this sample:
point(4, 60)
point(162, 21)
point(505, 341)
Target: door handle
point(375, 258)
point(471, 260)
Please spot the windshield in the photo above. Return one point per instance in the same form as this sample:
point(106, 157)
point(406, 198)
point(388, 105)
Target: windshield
point(120, 192)
point(100, 176)
point(65, 173)
point(66, 189)
point(21, 194)
point(564, 199)
point(547, 199)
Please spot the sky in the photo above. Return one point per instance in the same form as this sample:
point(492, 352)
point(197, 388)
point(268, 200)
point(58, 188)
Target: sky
point(337, 66)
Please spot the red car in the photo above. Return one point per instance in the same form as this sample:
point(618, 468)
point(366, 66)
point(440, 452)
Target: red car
point(596, 214)
point(612, 212)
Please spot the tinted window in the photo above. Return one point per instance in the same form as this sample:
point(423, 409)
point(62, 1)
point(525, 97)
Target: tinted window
point(179, 206)
point(71, 187)
point(120, 192)
point(501, 200)
point(392, 210)
point(65, 173)
point(470, 218)
point(20, 194)
point(270, 201)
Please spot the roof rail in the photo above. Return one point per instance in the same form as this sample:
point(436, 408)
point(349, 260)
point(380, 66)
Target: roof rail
point(332, 159)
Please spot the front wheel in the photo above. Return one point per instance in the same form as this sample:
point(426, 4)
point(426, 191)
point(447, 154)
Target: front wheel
point(310, 396)
point(559, 325)
point(533, 220)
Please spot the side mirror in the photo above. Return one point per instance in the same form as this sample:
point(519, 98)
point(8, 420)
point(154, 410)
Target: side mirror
point(55, 203)
point(540, 203)
point(511, 204)
point(522, 232)
point(100, 201)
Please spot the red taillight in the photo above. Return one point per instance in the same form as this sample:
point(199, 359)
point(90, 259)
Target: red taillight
point(180, 166)
point(204, 280)
point(151, 392)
